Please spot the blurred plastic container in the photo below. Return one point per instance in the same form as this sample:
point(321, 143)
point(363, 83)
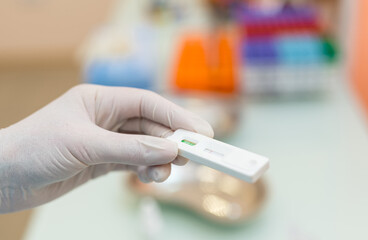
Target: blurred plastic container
point(207, 63)
point(205, 78)
point(285, 52)
point(116, 58)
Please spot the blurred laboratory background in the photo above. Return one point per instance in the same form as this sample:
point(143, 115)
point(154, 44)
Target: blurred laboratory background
point(287, 79)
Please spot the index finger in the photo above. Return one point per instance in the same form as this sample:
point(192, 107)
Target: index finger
point(130, 102)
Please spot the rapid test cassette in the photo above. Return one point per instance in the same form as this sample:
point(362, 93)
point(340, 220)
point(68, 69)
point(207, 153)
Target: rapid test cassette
point(223, 157)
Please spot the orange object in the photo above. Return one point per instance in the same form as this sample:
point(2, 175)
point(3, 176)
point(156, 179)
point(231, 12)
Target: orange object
point(192, 69)
point(225, 66)
point(207, 64)
point(360, 53)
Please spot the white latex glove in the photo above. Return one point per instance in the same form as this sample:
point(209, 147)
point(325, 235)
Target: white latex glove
point(85, 133)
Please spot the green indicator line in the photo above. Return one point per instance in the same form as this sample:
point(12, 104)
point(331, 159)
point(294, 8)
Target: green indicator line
point(188, 142)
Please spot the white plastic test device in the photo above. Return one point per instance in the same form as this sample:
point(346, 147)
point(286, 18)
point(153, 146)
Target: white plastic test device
point(223, 157)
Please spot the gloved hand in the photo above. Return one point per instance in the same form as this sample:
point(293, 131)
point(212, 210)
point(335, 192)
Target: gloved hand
point(89, 131)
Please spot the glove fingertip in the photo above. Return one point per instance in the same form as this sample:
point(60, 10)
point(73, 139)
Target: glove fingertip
point(204, 128)
point(180, 161)
point(159, 173)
